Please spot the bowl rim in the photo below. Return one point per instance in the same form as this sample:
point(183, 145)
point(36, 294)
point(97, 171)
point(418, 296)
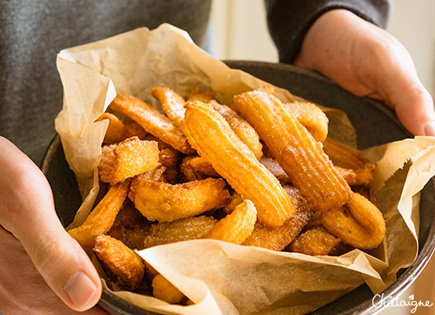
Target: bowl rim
point(367, 307)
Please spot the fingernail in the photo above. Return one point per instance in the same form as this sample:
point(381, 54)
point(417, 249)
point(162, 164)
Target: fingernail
point(80, 289)
point(429, 128)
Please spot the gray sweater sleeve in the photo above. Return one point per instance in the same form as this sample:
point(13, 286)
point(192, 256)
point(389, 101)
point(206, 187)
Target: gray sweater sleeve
point(290, 20)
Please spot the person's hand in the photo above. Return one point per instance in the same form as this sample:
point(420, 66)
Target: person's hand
point(368, 61)
point(42, 269)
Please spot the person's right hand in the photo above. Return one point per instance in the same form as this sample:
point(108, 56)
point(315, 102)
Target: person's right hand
point(42, 269)
point(368, 61)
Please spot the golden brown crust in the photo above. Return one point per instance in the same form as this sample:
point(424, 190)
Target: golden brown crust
point(155, 175)
point(176, 231)
point(300, 156)
point(165, 202)
point(210, 134)
point(237, 226)
point(359, 223)
point(311, 117)
point(127, 159)
point(123, 265)
point(278, 238)
point(201, 97)
point(316, 241)
point(116, 130)
point(166, 291)
point(152, 121)
point(172, 103)
point(241, 128)
point(102, 217)
point(347, 158)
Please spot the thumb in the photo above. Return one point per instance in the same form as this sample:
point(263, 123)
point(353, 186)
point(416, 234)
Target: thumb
point(414, 107)
point(398, 84)
point(28, 212)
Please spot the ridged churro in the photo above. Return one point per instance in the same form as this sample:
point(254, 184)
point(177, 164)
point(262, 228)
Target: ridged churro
point(151, 120)
point(213, 138)
point(298, 153)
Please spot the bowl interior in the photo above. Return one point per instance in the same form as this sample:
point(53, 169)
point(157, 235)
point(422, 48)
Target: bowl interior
point(375, 124)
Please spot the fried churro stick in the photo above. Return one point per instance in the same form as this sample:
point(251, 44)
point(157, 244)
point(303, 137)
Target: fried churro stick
point(122, 265)
point(237, 226)
point(300, 156)
point(311, 117)
point(172, 103)
point(343, 156)
point(127, 159)
point(116, 131)
point(278, 238)
point(241, 128)
point(102, 217)
point(166, 291)
point(210, 134)
point(359, 223)
point(162, 145)
point(165, 202)
point(316, 241)
point(348, 158)
point(180, 230)
point(151, 120)
point(201, 97)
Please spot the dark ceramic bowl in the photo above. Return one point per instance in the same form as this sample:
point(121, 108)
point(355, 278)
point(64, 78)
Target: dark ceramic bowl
point(375, 124)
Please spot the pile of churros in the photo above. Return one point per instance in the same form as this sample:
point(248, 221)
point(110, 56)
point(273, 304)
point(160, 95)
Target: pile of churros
point(257, 173)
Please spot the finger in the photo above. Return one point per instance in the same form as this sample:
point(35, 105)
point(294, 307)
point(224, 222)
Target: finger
point(23, 290)
point(28, 213)
point(413, 104)
point(390, 74)
point(368, 61)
